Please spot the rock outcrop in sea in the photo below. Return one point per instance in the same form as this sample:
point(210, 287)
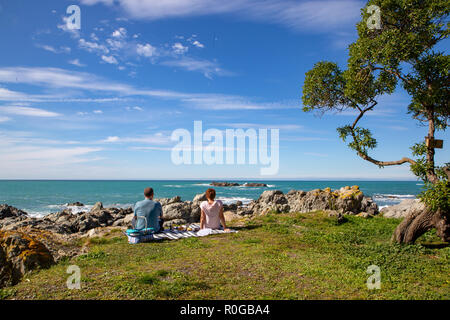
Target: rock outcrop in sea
point(235, 184)
point(27, 243)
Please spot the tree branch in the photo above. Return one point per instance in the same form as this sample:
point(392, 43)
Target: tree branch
point(395, 73)
point(386, 163)
point(363, 154)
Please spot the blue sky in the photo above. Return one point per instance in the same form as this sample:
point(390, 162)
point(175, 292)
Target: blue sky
point(101, 102)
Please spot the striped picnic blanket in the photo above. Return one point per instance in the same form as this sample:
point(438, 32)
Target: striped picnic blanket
point(173, 234)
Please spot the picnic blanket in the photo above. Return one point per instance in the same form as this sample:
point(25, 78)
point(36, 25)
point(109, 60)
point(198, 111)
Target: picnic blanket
point(175, 234)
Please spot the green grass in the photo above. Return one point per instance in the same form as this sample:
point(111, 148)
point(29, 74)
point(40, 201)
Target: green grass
point(278, 256)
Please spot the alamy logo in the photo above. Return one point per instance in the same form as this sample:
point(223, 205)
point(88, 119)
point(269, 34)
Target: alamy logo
point(374, 21)
point(374, 281)
point(74, 280)
point(227, 148)
point(73, 22)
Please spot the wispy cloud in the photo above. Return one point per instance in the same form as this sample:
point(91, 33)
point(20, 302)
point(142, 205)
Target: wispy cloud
point(22, 152)
point(27, 111)
point(157, 138)
point(315, 154)
point(145, 50)
point(60, 78)
point(110, 59)
point(320, 15)
point(264, 126)
point(77, 63)
point(208, 68)
point(53, 49)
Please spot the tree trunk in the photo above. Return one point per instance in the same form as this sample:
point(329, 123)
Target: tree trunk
point(417, 223)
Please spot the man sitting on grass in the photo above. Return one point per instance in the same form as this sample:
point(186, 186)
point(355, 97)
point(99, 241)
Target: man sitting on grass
point(150, 210)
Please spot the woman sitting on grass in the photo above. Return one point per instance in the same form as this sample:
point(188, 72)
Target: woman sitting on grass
point(212, 212)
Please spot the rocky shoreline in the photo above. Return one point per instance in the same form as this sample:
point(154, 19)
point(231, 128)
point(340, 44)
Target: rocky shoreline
point(27, 243)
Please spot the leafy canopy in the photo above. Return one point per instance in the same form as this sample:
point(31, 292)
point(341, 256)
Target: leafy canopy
point(403, 51)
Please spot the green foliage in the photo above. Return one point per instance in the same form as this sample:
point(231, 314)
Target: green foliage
point(403, 51)
point(362, 139)
point(7, 293)
point(420, 168)
point(430, 71)
point(437, 195)
point(323, 87)
point(93, 255)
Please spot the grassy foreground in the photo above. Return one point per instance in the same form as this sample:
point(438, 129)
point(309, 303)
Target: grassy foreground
point(278, 256)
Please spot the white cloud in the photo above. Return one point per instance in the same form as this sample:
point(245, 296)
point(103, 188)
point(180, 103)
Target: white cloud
point(146, 50)
point(54, 50)
point(315, 154)
point(75, 33)
point(115, 45)
point(109, 59)
point(92, 46)
point(94, 37)
point(318, 15)
point(112, 139)
point(60, 78)
point(178, 48)
point(157, 138)
point(208, 68)
point(8, 95)
point(98, 111)
point(27, 111)
point(119, 33)
point(198, 44)
point(4, 119)
point(77, 63)
point(134, 108)
point(264, 126)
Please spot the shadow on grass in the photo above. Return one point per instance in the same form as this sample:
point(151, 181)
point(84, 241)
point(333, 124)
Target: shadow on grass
point(249, 227)
point(435, 245)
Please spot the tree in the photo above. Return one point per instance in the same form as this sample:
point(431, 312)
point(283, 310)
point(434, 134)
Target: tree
point(401, 50)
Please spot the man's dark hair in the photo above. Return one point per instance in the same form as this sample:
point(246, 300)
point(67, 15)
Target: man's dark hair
point(148, 192)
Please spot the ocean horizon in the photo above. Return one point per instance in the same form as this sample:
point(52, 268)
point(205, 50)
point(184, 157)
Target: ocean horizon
point(41, 197)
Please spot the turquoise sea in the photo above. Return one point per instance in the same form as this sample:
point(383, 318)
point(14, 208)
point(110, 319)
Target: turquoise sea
point(44, 196)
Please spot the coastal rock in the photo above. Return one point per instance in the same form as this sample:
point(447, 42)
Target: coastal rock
point(75, 204)
point(347, 200)
point(224, 184)
point(97, 206)
point(230, 216)
point(174, 222)
point(19, 254)
point(166, 201)
point(65, 222)
point(403, 209)
point(270, 200)
point(254, 184)
point(199, 198)
point(10, 212)
point(180, 210)
point(128, 218)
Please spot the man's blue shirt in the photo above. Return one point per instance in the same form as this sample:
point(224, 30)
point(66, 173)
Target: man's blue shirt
point(149, 209)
